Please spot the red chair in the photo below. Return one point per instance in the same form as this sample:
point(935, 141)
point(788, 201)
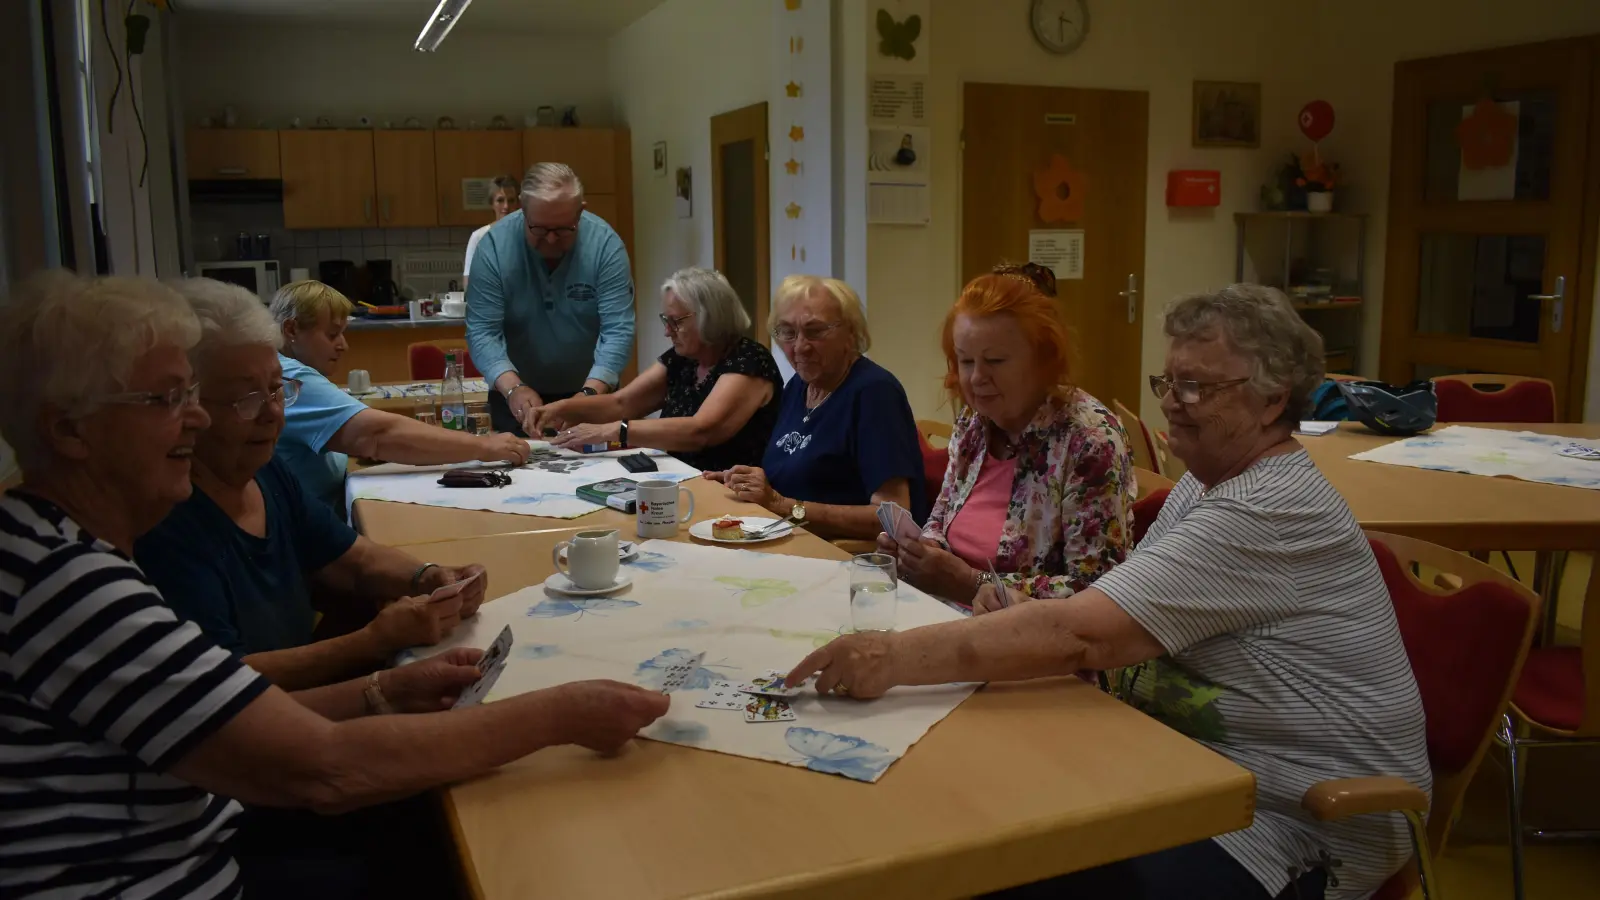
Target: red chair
point(1153, 491)
point(1462, 398)
point(1466, 636)
point(426, 359)
point(934, 459)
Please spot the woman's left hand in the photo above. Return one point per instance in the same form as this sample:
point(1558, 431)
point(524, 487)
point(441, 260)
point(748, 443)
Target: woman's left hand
point(860, 665)
point(471, 596)
point(749, 483)
point(431, 684)
point(934, 569)
point(582, 435)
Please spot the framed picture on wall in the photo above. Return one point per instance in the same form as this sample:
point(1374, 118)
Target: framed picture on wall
point(1227, 114)
point(658, 159)
point(683, 193)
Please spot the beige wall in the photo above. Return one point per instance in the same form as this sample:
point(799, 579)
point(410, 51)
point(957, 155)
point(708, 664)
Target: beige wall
point(1343, 52)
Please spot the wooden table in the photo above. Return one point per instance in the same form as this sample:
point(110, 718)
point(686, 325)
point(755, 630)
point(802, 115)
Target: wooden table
point(407, 406)
point(1021, 782)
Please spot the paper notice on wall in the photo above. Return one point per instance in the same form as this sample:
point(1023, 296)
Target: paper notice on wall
point(477, 193)
point(1058, 249)
point(897, 204)
point(897, 100)
point(1490, 182)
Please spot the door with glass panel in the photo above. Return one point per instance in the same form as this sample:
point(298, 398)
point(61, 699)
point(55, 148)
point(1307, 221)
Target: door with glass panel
point(1492, 202)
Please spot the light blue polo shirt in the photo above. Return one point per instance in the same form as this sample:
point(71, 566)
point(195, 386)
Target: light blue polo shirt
point(554, 328)
point(321, 410)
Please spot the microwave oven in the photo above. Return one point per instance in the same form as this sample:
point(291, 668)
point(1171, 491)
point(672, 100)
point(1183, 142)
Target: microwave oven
point(258, 276)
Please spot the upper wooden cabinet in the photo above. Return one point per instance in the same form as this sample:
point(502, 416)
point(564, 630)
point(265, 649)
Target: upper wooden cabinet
point(402, 161)
point(231, 153)
point(591, 152)
point(460, 155)
point(328, 179)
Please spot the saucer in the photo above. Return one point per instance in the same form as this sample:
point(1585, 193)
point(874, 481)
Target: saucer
point(626, 550)
point(558, 583)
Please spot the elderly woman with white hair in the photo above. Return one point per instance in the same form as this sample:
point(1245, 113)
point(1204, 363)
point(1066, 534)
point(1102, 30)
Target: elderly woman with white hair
point(846, 439)
point(244, 555)
point(717, 390)
point(1251, 617)
point(101, 683)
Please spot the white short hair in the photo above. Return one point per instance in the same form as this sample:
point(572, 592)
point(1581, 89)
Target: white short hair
point(68, 340)
point(229, 315)
point(547, 182)
point(718, 313)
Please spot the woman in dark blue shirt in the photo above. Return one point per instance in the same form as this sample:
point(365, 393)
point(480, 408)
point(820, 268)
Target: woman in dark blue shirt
point(845, 439)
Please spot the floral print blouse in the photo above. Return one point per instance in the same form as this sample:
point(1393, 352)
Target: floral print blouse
point(1071, 513)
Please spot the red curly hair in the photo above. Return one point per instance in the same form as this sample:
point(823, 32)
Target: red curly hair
point(1028, 293)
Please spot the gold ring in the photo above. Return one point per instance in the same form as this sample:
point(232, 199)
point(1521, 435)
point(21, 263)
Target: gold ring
point(840, 689)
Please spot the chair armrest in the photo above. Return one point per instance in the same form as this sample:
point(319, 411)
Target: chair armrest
point(1340, 798)
point(854, 545)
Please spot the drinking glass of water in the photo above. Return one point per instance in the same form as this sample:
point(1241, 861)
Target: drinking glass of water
point(873, 592)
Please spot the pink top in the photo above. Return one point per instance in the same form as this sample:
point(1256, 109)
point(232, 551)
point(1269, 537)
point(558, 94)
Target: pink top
point(974, 534)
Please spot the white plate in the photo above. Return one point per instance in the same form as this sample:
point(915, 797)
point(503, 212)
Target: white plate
point(702, 530)
point(561, 584)
point(626, 550)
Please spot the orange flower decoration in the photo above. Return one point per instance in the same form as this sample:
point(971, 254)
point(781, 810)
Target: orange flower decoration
point(1060, 190)
point(1488, 136)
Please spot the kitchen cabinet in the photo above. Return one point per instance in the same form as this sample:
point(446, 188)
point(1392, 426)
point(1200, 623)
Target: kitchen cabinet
point(328, 179)
point(403, 162)
point(591, 152)
point(460, 155)
point(231, 153)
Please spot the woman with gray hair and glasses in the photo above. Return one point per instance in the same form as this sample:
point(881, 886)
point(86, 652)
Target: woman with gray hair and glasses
point(717, 389)
point(1252, 617)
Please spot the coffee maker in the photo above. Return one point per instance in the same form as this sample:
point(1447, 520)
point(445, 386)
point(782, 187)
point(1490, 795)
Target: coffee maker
point(381, 289)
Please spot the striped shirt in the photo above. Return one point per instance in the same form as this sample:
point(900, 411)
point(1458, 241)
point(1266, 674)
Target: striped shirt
point(1282, 655)
point(102, 689)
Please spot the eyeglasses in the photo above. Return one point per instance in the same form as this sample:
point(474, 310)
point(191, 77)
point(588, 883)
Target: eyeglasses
point(1188, 391)
point(249, 406)
point(673, 324)
point(539, 232)
point(813, 332)
point(171, 401)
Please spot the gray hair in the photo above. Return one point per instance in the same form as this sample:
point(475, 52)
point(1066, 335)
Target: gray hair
point(229, 315)
point(68, 340)
point(797, 287)
point(718, 313)
point(546, 182)
point(1259, 324)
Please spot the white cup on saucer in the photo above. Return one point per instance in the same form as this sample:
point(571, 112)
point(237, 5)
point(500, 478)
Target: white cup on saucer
point(591, 561)
point(658, 515)
point(360, 381)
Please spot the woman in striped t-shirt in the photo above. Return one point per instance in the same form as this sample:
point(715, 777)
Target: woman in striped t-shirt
point(1252, 617)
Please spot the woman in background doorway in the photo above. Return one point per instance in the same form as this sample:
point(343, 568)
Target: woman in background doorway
point(504, 198)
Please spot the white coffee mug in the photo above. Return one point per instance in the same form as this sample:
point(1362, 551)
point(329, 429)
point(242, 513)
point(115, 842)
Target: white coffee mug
point(455, 309)
point(658, 508)
point(591, 561)
point(360, 381)
point(419, 310)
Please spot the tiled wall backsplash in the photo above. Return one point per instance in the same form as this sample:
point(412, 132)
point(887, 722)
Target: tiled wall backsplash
point(215, 227)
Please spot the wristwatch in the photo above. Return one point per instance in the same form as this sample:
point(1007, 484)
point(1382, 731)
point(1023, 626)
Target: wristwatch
point(798, 513)
point(588, 391)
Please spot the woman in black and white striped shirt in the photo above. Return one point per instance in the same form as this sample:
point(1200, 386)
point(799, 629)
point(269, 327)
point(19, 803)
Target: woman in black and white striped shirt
point(1252, 617)
point(123, 729)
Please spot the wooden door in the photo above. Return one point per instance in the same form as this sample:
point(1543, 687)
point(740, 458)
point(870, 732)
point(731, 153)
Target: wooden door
point(740, 197)
point(231, 153)
point(1489, 261)
point(327, 179)
point(591, 152)
point(1017, 135)
point(403, 162)
point(461, 155)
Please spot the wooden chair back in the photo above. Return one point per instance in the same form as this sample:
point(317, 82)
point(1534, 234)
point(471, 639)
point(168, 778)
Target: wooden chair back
point(1142, 447)
point(936, 433)
point(1488, 637)
point(1495, 398)
point(1171, 466)
point(425, 359)
point(1149, 482)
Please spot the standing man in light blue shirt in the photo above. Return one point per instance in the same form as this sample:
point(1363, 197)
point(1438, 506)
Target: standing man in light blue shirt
point(550, 302)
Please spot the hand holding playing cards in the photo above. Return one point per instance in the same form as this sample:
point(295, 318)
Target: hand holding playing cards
point(860, 665)
point(934, 569)
point(432, 684)
point(416, 622)
point(989, 600)
point(471, 595)
point(604, 715)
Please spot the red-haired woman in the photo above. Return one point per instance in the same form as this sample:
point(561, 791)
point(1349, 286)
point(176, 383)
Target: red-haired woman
point(1040, 483)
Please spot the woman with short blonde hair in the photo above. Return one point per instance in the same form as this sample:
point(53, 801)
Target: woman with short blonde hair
point(504, 197)
point(845, 440)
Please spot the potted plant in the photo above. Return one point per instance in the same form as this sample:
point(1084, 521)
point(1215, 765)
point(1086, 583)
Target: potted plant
point(1317, 178)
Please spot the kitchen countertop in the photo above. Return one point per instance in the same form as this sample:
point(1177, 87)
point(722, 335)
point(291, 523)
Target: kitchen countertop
point(362, 323)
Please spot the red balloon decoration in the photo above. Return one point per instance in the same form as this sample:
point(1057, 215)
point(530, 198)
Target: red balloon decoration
point(1316, 119)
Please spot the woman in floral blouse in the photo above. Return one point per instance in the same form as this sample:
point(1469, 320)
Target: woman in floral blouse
point(1040, 482)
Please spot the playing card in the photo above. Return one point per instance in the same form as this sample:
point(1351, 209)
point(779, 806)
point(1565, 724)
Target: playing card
point(492, 663)
point(450, 590)
point(1581, 451)
point(905, 528)
point(770, 684)
point(768, 709)
point(885, 517)
point(724, 695)
point(678, 673)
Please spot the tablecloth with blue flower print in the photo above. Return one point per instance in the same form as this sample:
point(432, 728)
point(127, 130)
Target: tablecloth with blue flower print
point(1488, 451)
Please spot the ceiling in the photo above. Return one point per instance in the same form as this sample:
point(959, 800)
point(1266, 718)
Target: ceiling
point(570, 17)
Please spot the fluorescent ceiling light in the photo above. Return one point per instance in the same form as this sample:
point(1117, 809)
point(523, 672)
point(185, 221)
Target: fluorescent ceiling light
point(445, 16)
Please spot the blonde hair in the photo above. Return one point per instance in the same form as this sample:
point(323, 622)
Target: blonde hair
point(797, 287)
point(67, 340)
point(304, 301)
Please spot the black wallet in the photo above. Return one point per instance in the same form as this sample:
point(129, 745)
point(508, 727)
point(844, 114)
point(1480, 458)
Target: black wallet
point(467, 478)
point(638, 462)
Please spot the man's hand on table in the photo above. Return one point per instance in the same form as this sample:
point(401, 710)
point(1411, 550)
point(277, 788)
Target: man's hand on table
point(524, 402)
point(550, 415)
point(603, 715)
point(505, 448)
point(860, 665)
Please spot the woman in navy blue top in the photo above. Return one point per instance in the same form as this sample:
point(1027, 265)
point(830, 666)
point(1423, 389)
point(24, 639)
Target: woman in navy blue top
point(845, 439)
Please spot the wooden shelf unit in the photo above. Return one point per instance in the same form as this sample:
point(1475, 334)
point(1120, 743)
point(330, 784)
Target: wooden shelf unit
point(1309, 242)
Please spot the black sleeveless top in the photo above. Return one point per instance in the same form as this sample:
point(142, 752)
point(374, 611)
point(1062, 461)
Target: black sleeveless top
point(684, 397)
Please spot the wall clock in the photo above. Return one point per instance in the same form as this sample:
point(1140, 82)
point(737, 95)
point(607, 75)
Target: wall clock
point(1059, 25)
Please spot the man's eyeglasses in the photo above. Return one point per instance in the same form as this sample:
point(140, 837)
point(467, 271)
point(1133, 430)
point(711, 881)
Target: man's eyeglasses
point(1188, 391)
point(171, 401)
point(674, 323)
point(249, 406)
point(539, 232)
point(814, 331)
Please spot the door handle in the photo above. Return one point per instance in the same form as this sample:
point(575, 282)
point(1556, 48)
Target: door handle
point(1132, 296)
point(1558, 302)
point(385, 216)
